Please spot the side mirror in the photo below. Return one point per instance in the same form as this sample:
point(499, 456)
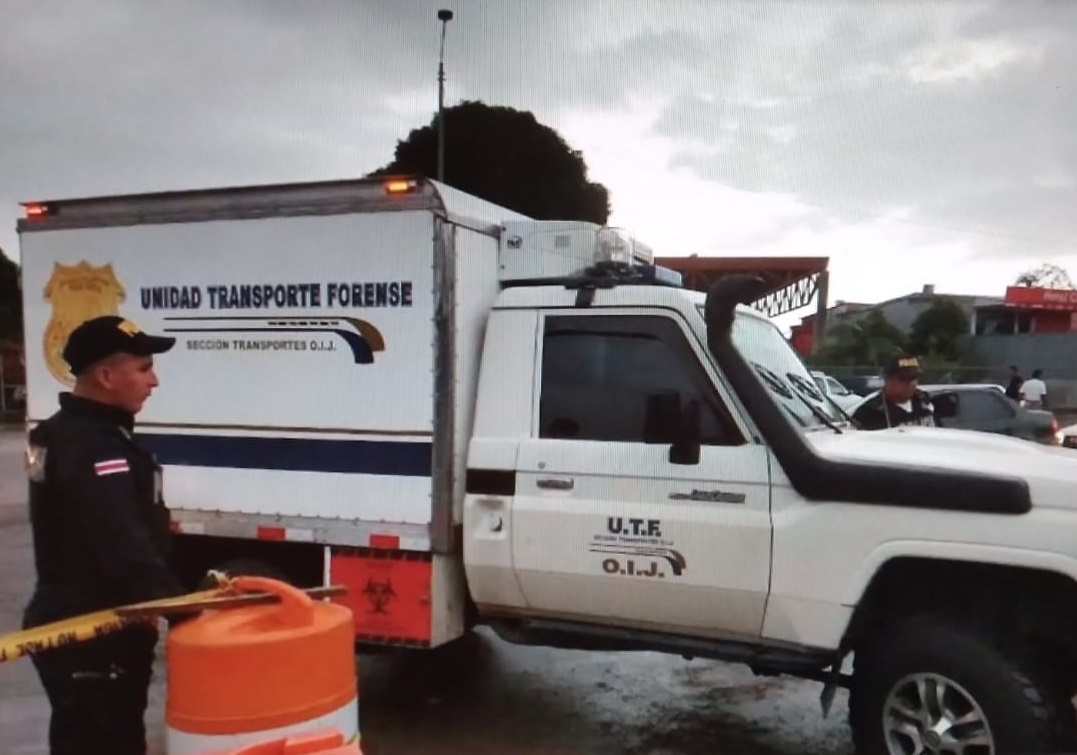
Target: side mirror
point(663, 419)
point(946, 405)
point(686, 448)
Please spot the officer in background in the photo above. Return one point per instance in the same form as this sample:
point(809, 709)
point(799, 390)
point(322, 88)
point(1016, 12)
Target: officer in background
point(900, 402)
point(100, 532)
point(1013, 388)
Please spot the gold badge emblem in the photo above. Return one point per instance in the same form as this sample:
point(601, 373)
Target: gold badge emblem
point(129, 328)
point(77, 293)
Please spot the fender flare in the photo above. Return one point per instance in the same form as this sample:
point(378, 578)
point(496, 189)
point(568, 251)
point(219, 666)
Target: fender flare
point(971, 553)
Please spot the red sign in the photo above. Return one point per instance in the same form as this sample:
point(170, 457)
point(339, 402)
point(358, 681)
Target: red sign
point(1041, 298)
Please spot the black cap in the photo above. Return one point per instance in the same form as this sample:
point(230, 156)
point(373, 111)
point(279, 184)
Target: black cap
point(104, 336)
point(903, 366)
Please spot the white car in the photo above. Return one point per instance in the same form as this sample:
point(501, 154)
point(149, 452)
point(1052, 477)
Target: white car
point(836, 392)
point(1069, 436)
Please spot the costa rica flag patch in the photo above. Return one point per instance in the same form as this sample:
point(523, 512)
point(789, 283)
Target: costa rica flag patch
point(112, 466)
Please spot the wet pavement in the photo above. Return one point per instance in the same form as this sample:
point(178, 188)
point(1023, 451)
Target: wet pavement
point(481, 696)
point(488, 697)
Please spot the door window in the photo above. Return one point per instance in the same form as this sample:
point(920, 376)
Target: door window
point(984, 406)
point(600, 372)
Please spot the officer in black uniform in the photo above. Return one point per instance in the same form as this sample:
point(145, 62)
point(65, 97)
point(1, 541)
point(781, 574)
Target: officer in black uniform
point(100, 531)
point(900, 402)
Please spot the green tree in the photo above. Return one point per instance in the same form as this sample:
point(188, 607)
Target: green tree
point(507, 157)
point(865, 341)
point(1045, 276)
point(10, 300)
point(941, 331)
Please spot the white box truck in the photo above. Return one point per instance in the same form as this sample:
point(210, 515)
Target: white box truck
point(467, 416)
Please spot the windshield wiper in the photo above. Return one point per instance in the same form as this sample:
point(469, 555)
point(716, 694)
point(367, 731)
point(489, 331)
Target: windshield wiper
point(799, 382)
point(776, 384)
point(848, 417)
point(773, 381)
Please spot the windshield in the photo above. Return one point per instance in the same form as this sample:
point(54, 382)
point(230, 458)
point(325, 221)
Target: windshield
point(782, 371)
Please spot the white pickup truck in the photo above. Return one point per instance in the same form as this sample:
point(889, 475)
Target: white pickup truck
point(466, 416)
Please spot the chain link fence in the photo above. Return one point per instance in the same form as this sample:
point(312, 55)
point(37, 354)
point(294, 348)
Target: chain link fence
point(1061, 384)
point(943, 374)
point(950, 374)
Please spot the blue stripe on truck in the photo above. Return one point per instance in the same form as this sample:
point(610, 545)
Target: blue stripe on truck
point(396, 458)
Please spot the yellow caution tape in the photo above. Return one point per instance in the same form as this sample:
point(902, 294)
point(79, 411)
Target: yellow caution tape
point(88, 626)
point(192, 603)
point(99, 623)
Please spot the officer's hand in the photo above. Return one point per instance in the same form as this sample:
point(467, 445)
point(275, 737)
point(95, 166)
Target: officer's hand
point(219, 579)
point(174, 620)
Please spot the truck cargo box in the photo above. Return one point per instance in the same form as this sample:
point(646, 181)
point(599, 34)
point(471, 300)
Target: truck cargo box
point(328, 335)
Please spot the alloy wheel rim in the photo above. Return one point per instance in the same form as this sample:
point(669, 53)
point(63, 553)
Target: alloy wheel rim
point(929, 714)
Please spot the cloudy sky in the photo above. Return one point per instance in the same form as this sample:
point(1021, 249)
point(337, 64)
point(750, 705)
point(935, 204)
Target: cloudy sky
point(912, 142)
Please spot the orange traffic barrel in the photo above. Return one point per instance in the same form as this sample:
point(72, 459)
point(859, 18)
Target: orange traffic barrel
point(317, 743)
point(245, 676)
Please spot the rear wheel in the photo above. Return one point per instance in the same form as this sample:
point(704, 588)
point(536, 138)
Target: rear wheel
point(929, 686)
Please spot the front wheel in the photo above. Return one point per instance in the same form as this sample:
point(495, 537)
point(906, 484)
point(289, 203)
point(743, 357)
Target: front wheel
point(928, 686)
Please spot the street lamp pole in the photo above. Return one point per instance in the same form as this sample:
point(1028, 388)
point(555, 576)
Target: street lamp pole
point(445, 16)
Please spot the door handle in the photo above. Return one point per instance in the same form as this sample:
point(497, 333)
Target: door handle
point(552, 483)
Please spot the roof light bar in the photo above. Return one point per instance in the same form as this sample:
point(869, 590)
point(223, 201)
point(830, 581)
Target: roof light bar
point(400, 186)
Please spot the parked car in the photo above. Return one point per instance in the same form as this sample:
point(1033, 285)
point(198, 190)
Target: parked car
point(835, 391)
point(987, 408)
point(1068, 436)
point(861, 384)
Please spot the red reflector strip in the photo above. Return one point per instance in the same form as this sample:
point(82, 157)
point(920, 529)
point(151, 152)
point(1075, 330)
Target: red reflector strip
point(173, 526)
point(389, 542)
point(272, 533)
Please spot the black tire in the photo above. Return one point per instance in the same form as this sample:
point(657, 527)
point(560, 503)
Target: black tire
point(1025, 710)
point(247, 567)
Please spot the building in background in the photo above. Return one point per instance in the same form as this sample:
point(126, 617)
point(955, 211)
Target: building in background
point(1033, 328)
point(901, 312)
point(1029, 310)
point(1030, 328)
point(805, 336)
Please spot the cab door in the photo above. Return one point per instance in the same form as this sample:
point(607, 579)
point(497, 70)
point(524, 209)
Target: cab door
point(605, 527)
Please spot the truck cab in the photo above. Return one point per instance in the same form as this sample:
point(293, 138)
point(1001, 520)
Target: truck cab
point(655, 468)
